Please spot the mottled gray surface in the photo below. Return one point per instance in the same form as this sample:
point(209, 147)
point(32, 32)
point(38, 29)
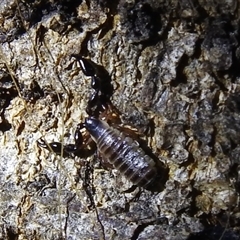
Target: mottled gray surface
point(174, 65)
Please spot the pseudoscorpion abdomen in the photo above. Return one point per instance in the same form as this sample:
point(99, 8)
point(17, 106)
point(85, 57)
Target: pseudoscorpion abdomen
point(122, 152)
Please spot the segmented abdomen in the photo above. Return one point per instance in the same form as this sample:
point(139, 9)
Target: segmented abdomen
point(123, 153)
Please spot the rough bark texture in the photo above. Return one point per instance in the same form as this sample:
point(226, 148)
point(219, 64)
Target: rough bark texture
point(174, 66)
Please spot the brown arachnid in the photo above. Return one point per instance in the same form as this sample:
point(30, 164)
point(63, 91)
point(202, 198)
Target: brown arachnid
point(123, 152)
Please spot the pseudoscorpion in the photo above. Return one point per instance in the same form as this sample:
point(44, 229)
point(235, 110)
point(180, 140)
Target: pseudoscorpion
point(123, 152)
